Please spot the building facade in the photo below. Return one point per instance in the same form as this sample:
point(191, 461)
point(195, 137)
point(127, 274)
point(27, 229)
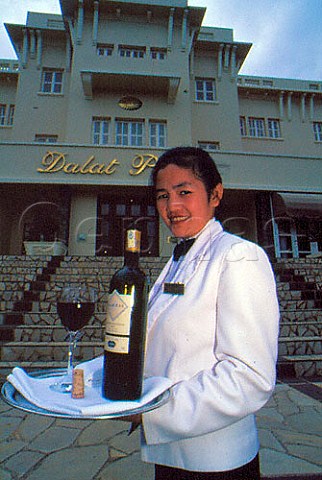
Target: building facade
point(98, 94)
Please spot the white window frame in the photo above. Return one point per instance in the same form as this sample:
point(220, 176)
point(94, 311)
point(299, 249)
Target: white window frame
point(158, 53)
point(274, 128)
point(104, 50)
point(132, 52)
point(317, 129)
point(6, 115)
point(44, 138)
point(3, 114)
point(205, 90)
point(52, 81)
point(243, 126)
point(11, 114)
point(209, 146)
point(129, 133)
point(256, 127)
point(157, 134)
point(100, 130)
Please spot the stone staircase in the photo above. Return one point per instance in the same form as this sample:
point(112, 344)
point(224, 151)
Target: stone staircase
point(31, 335)
point(299, 284)
point(33, 338)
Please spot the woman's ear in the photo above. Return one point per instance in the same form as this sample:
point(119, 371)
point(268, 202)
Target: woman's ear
point(216, 195)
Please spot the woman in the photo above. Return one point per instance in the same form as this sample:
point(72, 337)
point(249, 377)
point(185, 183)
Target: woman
point(212, 329)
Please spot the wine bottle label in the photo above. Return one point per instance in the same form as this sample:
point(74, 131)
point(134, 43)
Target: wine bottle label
point(119, 309)
point(133, 240)
point(116, 344)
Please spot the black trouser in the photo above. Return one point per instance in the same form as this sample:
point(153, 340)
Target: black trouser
point(250, 471)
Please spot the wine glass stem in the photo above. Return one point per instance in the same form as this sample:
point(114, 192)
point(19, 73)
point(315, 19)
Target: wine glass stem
point(73, 337)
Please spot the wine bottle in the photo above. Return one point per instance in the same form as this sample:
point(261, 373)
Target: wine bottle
point(125, 326)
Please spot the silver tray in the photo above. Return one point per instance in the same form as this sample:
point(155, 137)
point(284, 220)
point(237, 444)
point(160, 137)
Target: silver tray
point(15, 399)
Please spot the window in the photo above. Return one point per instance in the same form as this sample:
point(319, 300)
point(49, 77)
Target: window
point(132, 52)
point(100, 131)
point(129, 133)
point(158, 53)
point(158, 134)
point(274, 128)
point(243, 129)
point(104, 50)
point(205, 90)
point(317, 128)
point(3, 109)
point(11, 113)
point(46, 138)
point(209, 146)
point(6, 114)
point(52, 81)
point(256, 127)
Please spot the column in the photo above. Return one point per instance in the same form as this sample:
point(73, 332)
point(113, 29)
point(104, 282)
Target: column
point(281, 105)
point(80, 21)
point(68, 53)
point(95, 22)
point(39, 48)
point(226, 56)
point(289, 106)
point(303, 107)
point(32, 44)
point(219, 61)
point(170, 28)
point(184, 29)
point(25, 48)
point(312, 108)
point(233, 62)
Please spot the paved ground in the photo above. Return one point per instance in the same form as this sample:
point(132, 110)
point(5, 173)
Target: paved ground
point(35, 447)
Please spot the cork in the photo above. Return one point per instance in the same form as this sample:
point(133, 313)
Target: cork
point(78, 390)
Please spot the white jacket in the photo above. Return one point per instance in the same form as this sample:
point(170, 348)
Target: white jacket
point(218, 343)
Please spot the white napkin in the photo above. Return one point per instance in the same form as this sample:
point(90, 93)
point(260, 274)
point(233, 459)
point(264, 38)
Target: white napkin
point(37, 391)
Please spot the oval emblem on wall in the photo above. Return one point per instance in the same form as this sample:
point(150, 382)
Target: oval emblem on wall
point(130, 103)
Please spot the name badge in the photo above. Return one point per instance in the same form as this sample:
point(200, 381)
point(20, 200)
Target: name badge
point(173, 288)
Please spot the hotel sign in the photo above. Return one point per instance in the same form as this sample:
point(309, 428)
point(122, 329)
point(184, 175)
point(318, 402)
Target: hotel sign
point(54, 162)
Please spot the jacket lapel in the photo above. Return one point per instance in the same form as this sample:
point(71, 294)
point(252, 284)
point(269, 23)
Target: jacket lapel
point(187, 269)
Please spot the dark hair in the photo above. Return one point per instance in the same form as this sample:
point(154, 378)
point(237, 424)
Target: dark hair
point(193, 158)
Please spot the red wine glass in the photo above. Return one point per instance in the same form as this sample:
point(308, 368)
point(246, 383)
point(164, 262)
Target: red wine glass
point(75, 307)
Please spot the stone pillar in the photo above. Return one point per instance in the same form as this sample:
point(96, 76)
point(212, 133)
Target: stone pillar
point(219, 60)
point(226, 57)
point(233, 69)
point(170, 28)
point(303, 107)
point(80, 21)
point(32, 44)
point(281, 105)
point(95, 21)
point(39, 48)
point(25, 48)
point(289, 106)
point(184, 29)
point(312, 107)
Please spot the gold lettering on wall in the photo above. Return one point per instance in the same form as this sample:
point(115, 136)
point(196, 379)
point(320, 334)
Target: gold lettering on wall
point(141, 162)
point(54, 162)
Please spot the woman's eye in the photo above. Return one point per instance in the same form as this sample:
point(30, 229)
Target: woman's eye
point(185, 192)
point(162, 196)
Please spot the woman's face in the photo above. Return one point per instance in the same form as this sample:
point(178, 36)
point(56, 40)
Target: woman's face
point(182, 201)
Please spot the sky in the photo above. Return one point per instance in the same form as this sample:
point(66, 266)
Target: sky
point(286, 34)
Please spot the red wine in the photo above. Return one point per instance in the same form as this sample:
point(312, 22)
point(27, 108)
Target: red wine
point(125, 327)
point(75, 316)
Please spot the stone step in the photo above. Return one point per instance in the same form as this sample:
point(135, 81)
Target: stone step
point(49, 351)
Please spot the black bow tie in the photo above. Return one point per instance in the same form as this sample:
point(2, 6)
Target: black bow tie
point(182, 248)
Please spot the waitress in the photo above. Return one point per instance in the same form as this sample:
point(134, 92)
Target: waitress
point(212, 329)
